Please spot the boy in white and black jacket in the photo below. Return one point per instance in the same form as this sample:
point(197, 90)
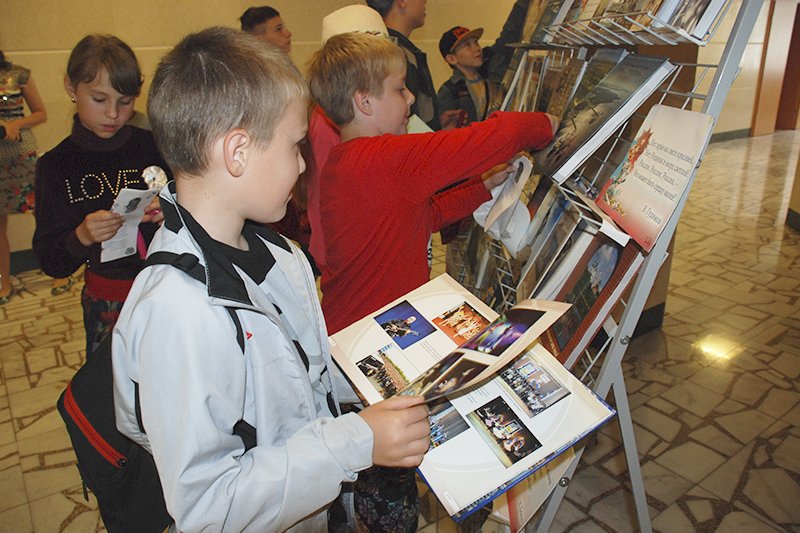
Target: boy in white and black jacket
point(177, 344)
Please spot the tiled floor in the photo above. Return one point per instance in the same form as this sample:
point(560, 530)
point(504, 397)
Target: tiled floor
point(715, 394)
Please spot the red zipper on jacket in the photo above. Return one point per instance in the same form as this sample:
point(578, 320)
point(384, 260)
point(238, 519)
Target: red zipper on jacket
point(99, 443)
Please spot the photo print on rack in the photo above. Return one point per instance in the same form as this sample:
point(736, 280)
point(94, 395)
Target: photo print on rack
point(587, 289)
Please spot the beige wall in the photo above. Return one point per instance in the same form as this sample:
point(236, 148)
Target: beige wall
point(777, 40)
point(737, 113)
point(39, 34)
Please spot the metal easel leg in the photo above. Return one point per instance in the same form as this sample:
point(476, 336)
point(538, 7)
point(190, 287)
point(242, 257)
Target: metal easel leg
point(631, 453)
point(548, 511)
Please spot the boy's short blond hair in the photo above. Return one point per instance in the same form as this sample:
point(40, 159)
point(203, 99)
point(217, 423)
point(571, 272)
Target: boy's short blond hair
point(215, 81)
point(348, 63)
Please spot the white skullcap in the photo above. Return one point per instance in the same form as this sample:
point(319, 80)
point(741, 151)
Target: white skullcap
point(355, 18)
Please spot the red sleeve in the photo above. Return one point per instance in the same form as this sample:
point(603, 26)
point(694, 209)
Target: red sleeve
point(419, 165)
point(458, 202)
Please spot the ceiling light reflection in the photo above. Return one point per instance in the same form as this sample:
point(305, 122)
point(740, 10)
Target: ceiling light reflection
point(717, 347)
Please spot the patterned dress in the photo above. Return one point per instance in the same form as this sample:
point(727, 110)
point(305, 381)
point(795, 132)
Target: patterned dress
point(17, 158)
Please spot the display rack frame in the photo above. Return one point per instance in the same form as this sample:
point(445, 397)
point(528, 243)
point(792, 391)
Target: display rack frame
point(608, 376)
point(618, 30)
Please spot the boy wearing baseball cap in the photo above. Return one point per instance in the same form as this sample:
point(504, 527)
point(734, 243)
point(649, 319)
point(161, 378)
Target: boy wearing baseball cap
point(466, 92)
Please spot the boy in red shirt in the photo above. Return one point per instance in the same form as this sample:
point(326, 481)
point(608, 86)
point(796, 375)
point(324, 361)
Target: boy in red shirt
point(379, 205)
point(379, 198)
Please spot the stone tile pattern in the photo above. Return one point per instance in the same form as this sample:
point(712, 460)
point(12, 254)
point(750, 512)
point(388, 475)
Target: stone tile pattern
point(714, 394)
point(42, 344)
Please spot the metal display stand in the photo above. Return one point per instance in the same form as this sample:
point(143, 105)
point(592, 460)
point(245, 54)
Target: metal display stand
point(609, 376)
point(626, 29)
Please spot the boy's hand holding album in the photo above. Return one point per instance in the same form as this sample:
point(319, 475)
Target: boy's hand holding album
point(401, 430)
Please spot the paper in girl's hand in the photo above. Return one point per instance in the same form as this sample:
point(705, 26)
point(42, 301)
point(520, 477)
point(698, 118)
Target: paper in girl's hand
point(130, 203)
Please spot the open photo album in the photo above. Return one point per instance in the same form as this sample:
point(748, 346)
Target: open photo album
point(413, 352)
point(501, 405)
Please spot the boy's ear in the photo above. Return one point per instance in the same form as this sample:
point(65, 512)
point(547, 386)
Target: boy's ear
point(363, 102)
point(451, 59)
point(236, 146)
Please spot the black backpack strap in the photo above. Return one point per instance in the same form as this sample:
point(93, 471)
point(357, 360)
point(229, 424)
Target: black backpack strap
point(190, 264)
point(246, 432)
point(243, 429)
point(137, 407)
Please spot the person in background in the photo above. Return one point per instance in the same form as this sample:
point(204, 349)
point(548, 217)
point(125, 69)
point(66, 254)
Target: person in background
point(466, 90)
point(78, 181)
point(266, 23)
point(401, 18)
point(17, 155)
point(477, 72)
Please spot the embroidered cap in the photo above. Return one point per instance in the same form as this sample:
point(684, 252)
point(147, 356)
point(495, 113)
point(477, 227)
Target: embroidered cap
point(455, 36)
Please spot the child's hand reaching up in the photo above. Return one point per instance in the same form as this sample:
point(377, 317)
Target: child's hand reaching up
point(98, 227)
point(401, 430)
